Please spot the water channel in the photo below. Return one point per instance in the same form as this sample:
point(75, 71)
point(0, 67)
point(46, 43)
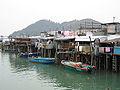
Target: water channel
point(19, 74)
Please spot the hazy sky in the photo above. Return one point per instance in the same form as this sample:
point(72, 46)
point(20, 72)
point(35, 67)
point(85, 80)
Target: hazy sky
point(18, 14)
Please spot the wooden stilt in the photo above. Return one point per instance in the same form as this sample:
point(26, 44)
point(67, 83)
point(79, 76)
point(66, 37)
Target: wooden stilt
point(106, 62)
point(99, 62)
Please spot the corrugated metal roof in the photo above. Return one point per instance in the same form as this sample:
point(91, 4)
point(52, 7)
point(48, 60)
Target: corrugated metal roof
point(65, 38)
point(87, 38)
point(110, 37)
point(112, 40)
point(39, 37)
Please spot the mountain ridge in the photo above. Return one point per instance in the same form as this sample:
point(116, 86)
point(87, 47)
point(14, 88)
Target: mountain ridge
point(48, 25)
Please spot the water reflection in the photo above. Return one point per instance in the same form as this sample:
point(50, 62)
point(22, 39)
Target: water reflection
point(58, 77)
point(62, 78)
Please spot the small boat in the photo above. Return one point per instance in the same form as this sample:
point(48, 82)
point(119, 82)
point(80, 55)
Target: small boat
point(28, 54)
point(42, 60)
point(78, 66)
point(9, 50)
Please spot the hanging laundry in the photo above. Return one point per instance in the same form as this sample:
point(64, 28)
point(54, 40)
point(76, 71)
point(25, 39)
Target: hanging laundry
point(66, 33)
point(101, 49)
point(41, 45)
point(36, 43)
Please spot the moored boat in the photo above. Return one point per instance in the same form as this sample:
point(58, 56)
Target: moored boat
point(42, 60)
point(78, 66)
point(10, 50)
point(28, 54)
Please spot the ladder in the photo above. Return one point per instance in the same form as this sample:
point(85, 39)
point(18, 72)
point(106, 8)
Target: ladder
point(114, 64)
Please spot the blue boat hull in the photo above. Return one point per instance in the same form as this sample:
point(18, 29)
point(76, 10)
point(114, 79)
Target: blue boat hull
point(42, 60)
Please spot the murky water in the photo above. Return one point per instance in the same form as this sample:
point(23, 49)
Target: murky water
point(20, 74)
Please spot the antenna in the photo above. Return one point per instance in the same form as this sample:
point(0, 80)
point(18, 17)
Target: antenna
point(113, 19)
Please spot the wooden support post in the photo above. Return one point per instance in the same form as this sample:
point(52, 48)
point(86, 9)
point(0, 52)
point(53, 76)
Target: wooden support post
point(99, 62)
point(91, 55)
point(106, 62)
point(95, 60)
point(28, 50)
point(118, 63)
point(42, 51)
point(56, 53)
point(81, 58)
point(50, 52)
point(31, 49)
